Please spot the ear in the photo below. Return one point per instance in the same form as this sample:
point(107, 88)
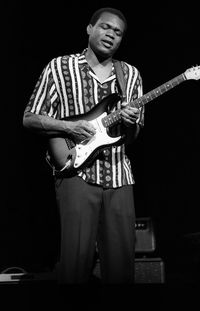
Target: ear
point(89, 29)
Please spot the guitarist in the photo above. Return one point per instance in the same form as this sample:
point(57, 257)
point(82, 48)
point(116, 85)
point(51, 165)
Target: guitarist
point(96, 205)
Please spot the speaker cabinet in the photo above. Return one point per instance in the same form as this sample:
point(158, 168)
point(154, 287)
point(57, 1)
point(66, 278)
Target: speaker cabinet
point(149, 270)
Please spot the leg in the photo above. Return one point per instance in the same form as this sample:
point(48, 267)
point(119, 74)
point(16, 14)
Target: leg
point(116, 241)
point(79, 209)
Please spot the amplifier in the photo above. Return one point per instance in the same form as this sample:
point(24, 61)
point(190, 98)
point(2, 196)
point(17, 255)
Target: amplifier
point(145, 236)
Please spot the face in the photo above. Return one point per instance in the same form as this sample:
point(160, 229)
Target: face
point(106, 35)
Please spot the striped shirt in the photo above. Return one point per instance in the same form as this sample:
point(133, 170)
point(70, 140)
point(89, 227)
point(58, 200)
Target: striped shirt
point(68, 86)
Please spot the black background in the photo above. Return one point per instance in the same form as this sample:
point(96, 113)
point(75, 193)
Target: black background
point(162, 42)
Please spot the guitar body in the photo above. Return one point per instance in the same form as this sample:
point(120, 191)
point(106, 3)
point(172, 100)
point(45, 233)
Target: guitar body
point(65, 153)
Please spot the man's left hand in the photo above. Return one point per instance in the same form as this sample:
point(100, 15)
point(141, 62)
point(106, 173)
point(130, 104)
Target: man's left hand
point(129, 114)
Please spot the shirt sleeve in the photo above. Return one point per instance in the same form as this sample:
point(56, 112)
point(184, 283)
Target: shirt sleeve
point(137, 91)
point(44, 99)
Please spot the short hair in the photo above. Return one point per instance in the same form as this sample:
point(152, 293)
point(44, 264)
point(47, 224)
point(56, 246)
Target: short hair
point(96, 15)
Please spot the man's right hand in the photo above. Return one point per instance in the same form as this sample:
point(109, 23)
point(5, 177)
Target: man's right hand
point(80, 130)
point(48, 126)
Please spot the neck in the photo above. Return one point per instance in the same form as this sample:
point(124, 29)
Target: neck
point(95, 60)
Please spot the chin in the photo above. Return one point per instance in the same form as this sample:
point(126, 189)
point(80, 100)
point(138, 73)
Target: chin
point(105, 53)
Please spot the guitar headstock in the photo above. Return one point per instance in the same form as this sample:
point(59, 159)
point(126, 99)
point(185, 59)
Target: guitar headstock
point(193, 73)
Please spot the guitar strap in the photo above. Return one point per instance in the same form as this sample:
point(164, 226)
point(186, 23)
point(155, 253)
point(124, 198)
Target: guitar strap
point(120, 78)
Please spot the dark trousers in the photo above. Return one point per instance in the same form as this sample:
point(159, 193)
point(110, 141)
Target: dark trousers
point(90, 214)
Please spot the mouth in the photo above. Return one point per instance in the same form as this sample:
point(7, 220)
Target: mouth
point(107, 43)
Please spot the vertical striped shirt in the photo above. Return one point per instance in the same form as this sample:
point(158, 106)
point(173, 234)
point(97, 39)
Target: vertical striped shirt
point(68, 86)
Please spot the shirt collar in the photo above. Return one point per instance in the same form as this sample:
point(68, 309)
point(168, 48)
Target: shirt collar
point(82, 61)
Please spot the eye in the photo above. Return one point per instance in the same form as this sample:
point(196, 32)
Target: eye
point(105, 26)
point(118, 33)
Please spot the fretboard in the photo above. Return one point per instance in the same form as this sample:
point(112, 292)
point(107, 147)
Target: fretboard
point(115, 117)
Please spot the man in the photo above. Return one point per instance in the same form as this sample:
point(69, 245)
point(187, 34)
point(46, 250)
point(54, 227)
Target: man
point(96, 202)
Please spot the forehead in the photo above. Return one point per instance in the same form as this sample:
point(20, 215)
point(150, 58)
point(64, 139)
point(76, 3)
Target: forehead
point(112, 19)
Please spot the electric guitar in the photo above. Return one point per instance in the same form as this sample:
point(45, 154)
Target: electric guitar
point(65, 153)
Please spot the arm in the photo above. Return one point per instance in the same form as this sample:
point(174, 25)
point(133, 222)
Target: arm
point(45, 101)
point(47, 126)
point(130, 117)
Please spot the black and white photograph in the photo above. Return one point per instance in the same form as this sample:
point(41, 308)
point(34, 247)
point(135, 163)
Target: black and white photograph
point(100, 155)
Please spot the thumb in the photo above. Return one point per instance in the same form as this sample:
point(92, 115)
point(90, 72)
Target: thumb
point(124, 104)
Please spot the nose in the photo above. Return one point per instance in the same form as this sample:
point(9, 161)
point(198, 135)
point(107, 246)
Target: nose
point(110, 33)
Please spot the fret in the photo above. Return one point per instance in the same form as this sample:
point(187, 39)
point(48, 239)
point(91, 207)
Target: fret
point(155, 94)
point(136, 103)
point(151, 95)
point(158, 91)
point(168, 86)
point(163, 88)
point(144, 99)
point(112, 118)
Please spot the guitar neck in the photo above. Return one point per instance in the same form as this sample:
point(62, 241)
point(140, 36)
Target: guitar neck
point(115, 117)
point(141, 101)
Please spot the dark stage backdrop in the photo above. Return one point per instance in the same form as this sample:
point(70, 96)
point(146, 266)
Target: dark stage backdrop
point(162, 42)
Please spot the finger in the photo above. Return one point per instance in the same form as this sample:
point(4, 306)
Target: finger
point(129, 115)
point(124, 104)
point(124, 113)
point(89, 128)
point(128, 122)
point(86, 134)
point(133, 110)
